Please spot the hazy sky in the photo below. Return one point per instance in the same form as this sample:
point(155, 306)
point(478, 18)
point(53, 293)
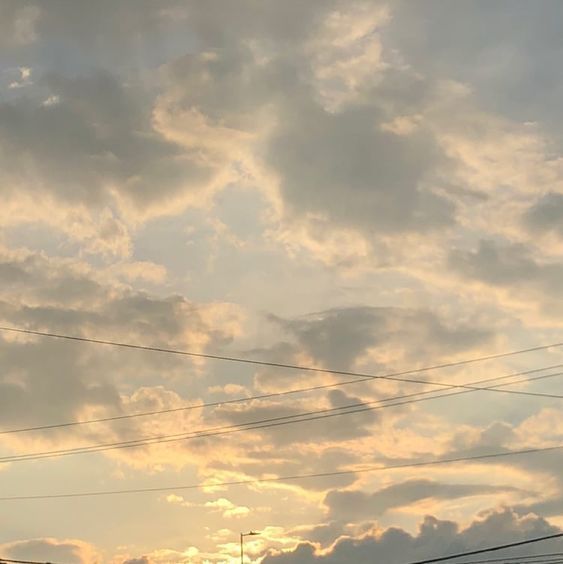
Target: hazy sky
point(362, 186)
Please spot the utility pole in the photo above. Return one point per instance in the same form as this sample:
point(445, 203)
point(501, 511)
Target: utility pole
point(242, 535)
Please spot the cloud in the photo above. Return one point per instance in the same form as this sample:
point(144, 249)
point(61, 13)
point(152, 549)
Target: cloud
point(23, 80)
point(546, 214)
point(19, 23)
point(355, 505)
point(344, 168)
point(222, 505)
point(340, 337)
point(50, 381)
point(434, 538)
point(507, 61)
point(220, 23)
point(531, 279)
point(96, 147)
point(103, 34)
point(344, 132)
point(331, 430)
point(307, 121)
point(497, 264)
point(71, 551)
point(73, 297)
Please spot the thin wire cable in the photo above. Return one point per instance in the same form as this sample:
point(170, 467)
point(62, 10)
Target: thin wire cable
point(2, 560)
point(515, 560)
point(510, 560)
point(271, 395)
point(490, 549)
point(279, 364)
point(517, 557)
point(192, 407)
point(251, 425)
point(519, 561)
point(294, 477)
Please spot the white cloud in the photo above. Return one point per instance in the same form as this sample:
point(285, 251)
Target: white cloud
point(222, 505)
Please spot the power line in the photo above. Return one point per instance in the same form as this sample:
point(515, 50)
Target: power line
point(294, 477)
point(278, 364)
point(361, 377)
point(251, 425)
point(544, 556)
point(517, 560)
point(290, 392)
point(2, 560)
point(491, 549)
point(192, 407)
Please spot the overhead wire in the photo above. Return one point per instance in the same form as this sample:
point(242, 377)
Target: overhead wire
point(2, 560)
point(394, 376)
point(490, 549)
point(516, 560)
point(545, 556)
point(519, 561)
point(280, 364)
point(257, 424)
point(280, 394)
point(289, 478)
point(284, 393)
point(358, 375)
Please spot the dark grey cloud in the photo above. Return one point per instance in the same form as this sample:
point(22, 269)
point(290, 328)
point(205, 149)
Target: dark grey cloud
point(497, 434)
point(331, 429)
point(18, 23)
point(496, 264)
point(46, 549)
point(220, 23)
point(548, 508)
point(94, 138)
point(358, 505)
point(341, 166)
point(42, 292)
point(344, 167)
point(500, 436)
point(338, 337)
point(281, 459)
point(514, 266)
point(59, 34)
point(434, 538)
point(46, 380)
point(249, 60)
point(546, 215)
point(506, 51)
point(226, 86)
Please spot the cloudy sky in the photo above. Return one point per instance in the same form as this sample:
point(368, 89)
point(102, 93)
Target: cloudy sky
point(361, 186)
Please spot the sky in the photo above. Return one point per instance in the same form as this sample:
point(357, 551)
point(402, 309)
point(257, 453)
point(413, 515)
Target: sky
point(357, 186)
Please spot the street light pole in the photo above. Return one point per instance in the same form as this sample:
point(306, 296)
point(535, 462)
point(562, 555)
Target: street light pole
point(242, 535)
